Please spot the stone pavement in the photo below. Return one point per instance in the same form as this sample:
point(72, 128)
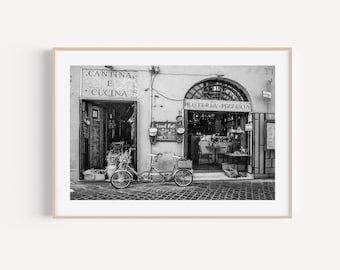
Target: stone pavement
point(202, 190)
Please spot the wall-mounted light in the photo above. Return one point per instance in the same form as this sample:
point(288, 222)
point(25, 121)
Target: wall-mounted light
point(269, 84)
point(154, 69)
point(110, 68)
point(267, 94)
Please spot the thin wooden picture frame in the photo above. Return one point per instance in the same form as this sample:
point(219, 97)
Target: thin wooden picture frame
point(61, 58)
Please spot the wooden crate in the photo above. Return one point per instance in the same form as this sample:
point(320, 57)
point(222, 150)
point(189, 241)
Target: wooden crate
point(185, 164)
point(94, 177)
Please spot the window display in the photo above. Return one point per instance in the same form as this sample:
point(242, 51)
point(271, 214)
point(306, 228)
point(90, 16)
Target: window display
point(213, 135)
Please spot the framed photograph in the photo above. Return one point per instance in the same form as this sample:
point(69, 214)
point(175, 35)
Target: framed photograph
point(95, 114)
point(214, 151)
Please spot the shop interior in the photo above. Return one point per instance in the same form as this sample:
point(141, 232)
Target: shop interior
point(213, 138)
point(106, 126)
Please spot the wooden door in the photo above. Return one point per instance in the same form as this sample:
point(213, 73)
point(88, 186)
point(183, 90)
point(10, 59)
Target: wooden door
point(84, 132)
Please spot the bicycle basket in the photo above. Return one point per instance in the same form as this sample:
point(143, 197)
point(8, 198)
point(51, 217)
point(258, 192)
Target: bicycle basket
point(185, 164)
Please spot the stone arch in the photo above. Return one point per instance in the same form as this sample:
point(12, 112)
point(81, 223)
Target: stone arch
point(218, 89)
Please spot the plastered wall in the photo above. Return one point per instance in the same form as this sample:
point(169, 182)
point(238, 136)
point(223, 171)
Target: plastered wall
point(170, 86)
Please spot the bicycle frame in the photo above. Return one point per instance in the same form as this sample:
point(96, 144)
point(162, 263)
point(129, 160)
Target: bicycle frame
point(180, 176)
point(166, 175)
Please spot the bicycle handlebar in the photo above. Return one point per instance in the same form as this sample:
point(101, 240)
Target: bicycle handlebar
point(155, 155)
point(178, 157)
point(159, 154)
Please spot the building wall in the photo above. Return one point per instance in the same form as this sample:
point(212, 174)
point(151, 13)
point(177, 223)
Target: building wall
point(74, 123)
point(172, 82)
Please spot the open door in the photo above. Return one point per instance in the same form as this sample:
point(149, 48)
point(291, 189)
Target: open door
point(83, 138)
point(103, 123)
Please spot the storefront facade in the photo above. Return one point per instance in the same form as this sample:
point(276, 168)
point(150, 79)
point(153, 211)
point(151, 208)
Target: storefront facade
point(112, 105)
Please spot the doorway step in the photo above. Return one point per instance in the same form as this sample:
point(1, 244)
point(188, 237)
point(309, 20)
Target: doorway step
point(218, 176)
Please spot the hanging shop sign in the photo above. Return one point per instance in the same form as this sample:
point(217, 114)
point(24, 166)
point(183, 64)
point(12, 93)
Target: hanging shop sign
point(102, 83)
point(217, 105)
point(267, 94)
point(248, 127)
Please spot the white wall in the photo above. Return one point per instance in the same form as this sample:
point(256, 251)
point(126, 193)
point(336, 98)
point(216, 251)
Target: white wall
point(31, 239)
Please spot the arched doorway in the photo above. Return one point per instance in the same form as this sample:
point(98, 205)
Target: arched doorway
point(218, 89)
point(216, 114)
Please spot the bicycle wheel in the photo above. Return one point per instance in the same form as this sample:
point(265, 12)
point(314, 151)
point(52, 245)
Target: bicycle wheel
point(121, 179)
point(183, 177)
point(151, 177)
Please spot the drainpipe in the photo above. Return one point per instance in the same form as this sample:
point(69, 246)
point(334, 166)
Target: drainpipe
point(153, 73)
point(151, 95)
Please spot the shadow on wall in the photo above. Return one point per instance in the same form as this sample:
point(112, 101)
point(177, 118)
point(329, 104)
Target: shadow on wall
point(46, 113)
point(165, 162)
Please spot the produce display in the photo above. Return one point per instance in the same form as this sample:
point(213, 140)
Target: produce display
point(115, 160)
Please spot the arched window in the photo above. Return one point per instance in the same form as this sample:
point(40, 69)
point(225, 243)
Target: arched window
point(218, 89)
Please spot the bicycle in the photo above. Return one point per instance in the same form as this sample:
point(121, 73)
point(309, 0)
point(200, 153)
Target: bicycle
point(123, 177)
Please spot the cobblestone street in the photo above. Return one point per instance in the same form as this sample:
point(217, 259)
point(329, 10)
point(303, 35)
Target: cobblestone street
point(203, 190)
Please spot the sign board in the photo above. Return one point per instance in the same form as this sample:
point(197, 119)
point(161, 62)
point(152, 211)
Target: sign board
point(166, 131)
point(270, 135)
point(267, 94)
point(248, 127)
point(217, 105)
point(102, 83)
